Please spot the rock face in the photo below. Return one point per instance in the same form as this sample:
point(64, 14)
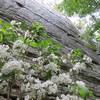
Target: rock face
point(58, 27)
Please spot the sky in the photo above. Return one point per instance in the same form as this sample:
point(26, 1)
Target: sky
point(49, 3)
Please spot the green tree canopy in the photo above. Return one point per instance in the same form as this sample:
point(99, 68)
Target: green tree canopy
point(82, 7)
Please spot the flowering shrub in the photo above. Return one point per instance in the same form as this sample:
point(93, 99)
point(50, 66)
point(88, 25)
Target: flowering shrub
point(30, 64)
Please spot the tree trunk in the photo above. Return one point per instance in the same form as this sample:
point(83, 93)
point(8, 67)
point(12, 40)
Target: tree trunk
point(58, 27)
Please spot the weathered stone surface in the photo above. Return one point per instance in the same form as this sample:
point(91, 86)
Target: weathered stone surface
point(91, 76)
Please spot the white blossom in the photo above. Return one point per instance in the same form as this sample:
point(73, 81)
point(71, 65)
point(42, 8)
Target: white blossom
point(57, 98)
point(37, 86)
point(47, 83)
point(64, 60)
point(79, 66)
point(18, 23)
point(64, 97)
point(26, 65)
point(19, 46)
point(4, 51)
point(21, 76)
point(68, 97)
point(11, 66)
point(29, 78)
point(53, 89)
point(87, 59)
point(18, 99)
point(0, 74)
point(37, 81)
point(4, 83)
point(17, 43)
point(22, 87)
point(13, 22)
point(80, 83)
point(55, 79)
point(52, 55)
point(27, 34)
point(32, 72)
point(27, 97)
point(52, 66)
point(40, 94)
point(69, 55)
point(2, 98)
point(64, 78)
point(38, 60)
point(25, 87)
point(47, 86)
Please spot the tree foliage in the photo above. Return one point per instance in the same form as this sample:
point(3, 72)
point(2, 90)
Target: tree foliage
point(81, 7)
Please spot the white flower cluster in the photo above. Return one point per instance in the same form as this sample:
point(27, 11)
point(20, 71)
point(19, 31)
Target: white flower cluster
point(11, 66)
point(52, 55)
point(28, 72)
point(25, 87)
point(78, 67)
point(80, 83)
point(45, 87)
point(4, 51)
point(38, 60)
point(68, 97)
point(64, 60)
point(48, 85)
point(87, 59)
point(19, 46)
point(27, 81)
point(26, 65)
point(52, 66)
point(62, 79)
point(27, 97)
point(27, 34)
point(13, 22)
point(3, 84)
point(2, 98)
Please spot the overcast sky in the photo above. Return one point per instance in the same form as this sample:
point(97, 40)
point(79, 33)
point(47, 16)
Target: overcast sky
point(49, 3)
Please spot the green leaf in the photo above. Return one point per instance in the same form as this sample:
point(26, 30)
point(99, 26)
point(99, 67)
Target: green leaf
point(77, 55)
point(37, 28)
point(48, 75)
point(24, 26)
point(83, 92)
point(3, 30)
point(7, 25)
point(1, 37)
point(31, 43)
point(1, 21)
point(82, 7)
point(4, 77)
point(45, 43)
point(9, 36)
point(92, 95)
